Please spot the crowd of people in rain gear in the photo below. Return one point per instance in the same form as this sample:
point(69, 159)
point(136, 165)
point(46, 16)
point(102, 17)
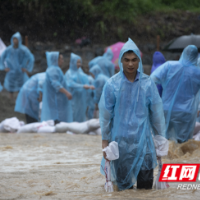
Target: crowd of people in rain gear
point(133, 107)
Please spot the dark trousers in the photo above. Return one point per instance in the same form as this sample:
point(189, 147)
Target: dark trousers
point(145, 179)
point(30, 119)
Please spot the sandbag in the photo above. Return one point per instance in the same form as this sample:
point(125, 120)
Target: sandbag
point(11, 125)
point(98, 131)
point(93, 124)
point(47, 129)
point(34, 127)
point(74, 127)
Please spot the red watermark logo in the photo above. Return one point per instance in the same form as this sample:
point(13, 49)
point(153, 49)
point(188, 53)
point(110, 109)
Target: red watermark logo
point(179, 172)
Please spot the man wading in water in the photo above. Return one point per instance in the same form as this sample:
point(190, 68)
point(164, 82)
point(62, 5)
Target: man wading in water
point(130, 111)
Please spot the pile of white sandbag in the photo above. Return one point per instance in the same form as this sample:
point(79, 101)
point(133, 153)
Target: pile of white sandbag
point(91, 127)
point(13, 125)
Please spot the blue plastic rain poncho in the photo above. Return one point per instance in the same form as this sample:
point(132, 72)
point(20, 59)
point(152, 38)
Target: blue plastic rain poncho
point(55, 105)
point(129, 113)
point(91, 104)
point(100, 80)
point(158, 59)
point(107, 67)
point(27, 99)
point(15, 60)
point(181, 83)
point(108, 55)
point(76, 79)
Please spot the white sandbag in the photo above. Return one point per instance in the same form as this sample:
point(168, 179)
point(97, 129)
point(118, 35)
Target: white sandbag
point(74, 127)
point(34, 127)
point(11, 125)
point(29, 128)
point(46, 129)
point(93, 124)
point(112, 151)
point(98, 131)
point(161, 145)
point(197, 137)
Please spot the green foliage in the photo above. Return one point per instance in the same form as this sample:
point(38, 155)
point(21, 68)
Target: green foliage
point(74, 10)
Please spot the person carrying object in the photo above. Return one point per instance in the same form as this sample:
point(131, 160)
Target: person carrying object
point(130, 111)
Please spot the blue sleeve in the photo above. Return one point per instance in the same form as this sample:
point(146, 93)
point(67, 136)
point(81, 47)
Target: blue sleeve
point(159, 76)
point(106, 110)
point(71, 83)
point(2, 59)
point(54, 77)
point(156, 114)
point(28, 60)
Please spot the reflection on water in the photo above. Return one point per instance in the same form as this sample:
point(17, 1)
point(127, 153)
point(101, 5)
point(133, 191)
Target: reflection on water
point(61, 166)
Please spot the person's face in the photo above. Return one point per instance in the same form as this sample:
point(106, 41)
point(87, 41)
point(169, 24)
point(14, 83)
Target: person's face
point(78, 63)
point(130, 63)
point(60, 61)
point(15, 42)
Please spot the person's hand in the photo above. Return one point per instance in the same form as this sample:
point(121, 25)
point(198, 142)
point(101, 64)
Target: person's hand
point(158, 158)
point(198, 113)
point(92, 87)
point(104, 145)
point(68, 95)
point(7, 69)
point(86, 87)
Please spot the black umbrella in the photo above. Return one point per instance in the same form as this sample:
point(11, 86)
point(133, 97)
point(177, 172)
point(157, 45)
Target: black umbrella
point(178, 44)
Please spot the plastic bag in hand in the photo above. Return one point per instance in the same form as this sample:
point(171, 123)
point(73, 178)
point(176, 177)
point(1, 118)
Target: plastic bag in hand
point(112, 151)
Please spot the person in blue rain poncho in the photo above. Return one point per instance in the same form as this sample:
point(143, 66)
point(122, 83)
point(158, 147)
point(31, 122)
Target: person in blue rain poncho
point(78, 83)
point(18, 62)
point(29, 98)
point(130, 112)
point(100, 80)
point(180, 81)
point(158, 59)
point(56, 104)
point(91, 104)
point(107, 67)
point(108, 55)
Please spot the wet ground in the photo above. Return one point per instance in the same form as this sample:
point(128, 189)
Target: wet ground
point(61, 166)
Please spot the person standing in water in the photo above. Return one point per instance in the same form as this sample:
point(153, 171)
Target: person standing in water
point(180, 81)
point(18, 62)
point(130, 112)
point(56, 104)
point(78, 83)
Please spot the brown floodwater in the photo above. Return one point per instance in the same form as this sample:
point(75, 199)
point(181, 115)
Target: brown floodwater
point(61, 166)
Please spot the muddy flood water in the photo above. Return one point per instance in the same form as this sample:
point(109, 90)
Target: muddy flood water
point(61, 166)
